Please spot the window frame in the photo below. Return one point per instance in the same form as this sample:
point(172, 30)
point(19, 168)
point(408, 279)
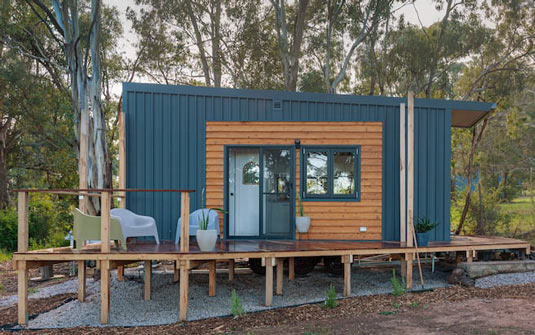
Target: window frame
point(329, 196)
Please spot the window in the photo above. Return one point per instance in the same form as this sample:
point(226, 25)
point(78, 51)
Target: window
point(330, 173)
point(251, 173)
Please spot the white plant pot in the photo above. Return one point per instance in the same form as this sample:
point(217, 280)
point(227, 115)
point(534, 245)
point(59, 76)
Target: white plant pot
point(206, 239)
point(302, 223)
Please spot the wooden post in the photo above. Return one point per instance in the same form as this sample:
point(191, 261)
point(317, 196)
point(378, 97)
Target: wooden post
point(122, 176)
point(231, 269)
point(346, 259)
point(148, 279)
point(291, 268)
point(184, 227)
point(211, 279)
point(104, 291)
point(175, 271)
point(280, 274)
point(269, 281)
point(120, 273)
point(122, 160)
point(81, 281)
point(408, 260)
point(410, 168)
point(402, 177)
point(83, 170)
point(105, 222)
point(184, 283)
point(22, 286)
point(403, 268)
point(22, 246)
point(23, 231)
point(469, 256)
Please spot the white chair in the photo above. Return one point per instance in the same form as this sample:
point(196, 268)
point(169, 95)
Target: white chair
point(134, 225)
point(194, 218)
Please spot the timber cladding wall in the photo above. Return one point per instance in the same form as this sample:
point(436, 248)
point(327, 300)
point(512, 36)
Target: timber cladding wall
point(329, 219)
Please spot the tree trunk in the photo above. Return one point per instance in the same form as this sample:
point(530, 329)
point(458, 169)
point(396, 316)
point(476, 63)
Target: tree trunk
point(473, 147)
point(4, 195)
point(505, 177)
point(216, 42)
point(199, 42)
point(480, 229)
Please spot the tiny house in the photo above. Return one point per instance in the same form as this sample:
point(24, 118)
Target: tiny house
point(258, 153)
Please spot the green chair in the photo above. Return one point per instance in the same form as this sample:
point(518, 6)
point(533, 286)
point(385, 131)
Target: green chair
point(87, 227)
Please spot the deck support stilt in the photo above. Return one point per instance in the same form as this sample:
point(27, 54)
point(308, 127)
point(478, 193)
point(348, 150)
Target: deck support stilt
point(269, 281)
point(104, 291)
point(346, 259)
point(470, 256)
point(120, 273)
point(184, 286)
point(403, 268)
point(148, 279)
point(280, 274)
point(231, 269)
point(81, 281)
point(175, 272)
point(408, 262)
point(291, 268)
point(211, 279)
point(22, 282)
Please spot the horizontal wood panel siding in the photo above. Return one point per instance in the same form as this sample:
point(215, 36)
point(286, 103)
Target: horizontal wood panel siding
point(166, 132)
point(330, 219)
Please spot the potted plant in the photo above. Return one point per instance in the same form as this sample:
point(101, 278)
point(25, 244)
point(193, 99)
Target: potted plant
point(206, 238)
point(422, 228)
point(302, 222)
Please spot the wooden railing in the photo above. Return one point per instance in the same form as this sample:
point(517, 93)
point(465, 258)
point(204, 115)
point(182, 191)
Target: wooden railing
point(105, 196)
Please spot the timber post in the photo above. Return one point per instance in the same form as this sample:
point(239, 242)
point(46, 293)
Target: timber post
point(22, 246)
point(105, 222)
point(184, 226)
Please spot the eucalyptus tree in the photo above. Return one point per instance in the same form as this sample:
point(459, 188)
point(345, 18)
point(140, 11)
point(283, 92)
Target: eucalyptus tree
point(75, 29)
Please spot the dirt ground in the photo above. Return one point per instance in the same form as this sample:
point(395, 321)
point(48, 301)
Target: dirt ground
point(8, 278)
point(454, 310)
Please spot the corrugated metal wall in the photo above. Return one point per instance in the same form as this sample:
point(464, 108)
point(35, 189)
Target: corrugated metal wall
point(165, 140)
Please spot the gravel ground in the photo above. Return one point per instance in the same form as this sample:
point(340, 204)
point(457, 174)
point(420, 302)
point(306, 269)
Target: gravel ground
point(506, 279)
point(70, 286)
point(128, 307)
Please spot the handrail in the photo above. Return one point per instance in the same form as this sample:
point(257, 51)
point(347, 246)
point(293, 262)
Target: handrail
point(105, 194)
point(45, 190)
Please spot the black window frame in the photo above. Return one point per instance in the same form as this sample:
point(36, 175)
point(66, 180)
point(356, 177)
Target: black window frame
point(330, 196)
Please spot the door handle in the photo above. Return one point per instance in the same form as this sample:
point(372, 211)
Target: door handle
point(231, 194)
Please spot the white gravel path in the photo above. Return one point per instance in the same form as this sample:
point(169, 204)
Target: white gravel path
point(506, 279)
point(69, 286)
point(129, 309)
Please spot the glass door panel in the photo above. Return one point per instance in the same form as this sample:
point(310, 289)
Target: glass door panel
point(277, 193)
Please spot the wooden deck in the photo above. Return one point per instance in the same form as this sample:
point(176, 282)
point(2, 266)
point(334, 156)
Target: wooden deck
point(273, 252)
point(267, 248)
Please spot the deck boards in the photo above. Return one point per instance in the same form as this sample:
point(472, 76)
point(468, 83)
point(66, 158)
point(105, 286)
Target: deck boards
point(274, 246)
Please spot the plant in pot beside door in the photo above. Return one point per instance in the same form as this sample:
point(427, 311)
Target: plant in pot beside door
point(206, 238)
point(302, 222)
point(422, 228)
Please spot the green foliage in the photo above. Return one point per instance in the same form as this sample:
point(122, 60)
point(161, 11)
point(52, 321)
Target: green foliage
point(414, 304)
point(423, 225)
point(330, 298)
point(301, 209)
point(398, 288)
point(204, 218)
point(235, 305)
point(49, 221)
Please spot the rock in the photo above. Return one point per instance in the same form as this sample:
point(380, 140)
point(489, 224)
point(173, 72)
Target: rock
point(459, 276)
point(483, 269)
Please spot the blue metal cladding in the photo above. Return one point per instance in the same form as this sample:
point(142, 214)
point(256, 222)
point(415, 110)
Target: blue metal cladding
point(165, 143)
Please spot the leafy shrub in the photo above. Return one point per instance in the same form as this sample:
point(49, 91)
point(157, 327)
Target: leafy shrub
point(398, 288)
point(330, 298)
point(49, 221)
point(423, 225)
point(235, 305)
